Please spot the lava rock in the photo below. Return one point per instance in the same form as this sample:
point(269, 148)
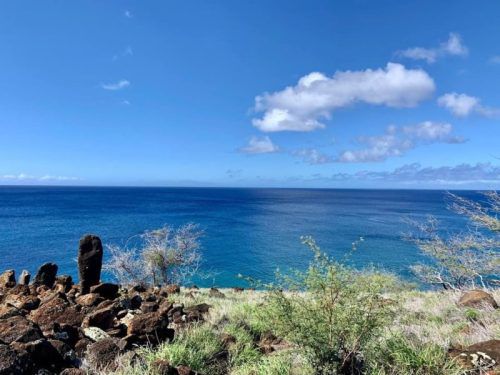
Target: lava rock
point(24, 278)
point(46, 275)
point(89, 262)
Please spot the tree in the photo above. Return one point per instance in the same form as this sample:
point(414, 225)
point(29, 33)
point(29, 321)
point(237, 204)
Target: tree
point(165, 255)
point(467, 259)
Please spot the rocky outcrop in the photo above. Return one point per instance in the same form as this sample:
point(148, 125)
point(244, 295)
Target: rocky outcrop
point(477, 298)
point(89, 262)
point(8, 279)
point(24, 278)
point(480, 358)
point(46, 275)
point(54, 326)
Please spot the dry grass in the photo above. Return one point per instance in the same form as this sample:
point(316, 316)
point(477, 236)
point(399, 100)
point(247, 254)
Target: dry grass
point(429, 317)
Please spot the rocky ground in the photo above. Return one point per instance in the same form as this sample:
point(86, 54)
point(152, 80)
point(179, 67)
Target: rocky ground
point(54, 326)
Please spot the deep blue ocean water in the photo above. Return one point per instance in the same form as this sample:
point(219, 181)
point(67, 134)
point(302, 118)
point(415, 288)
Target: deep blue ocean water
point(247, 231)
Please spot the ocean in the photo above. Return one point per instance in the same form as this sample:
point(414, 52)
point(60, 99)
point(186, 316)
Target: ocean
point(246, 231)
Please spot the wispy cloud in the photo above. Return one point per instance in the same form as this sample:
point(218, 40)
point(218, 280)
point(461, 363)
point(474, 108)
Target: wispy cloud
point(452, 47)
point(128, 14)
point(495, 59)
point(128, 51)
point(234, 173)
point(260, 145)
point(414, 173)
point(397, 141)
point(303, 107)
point(116, 85)
point(312, 156)
point(27, 178)
point(462, 105)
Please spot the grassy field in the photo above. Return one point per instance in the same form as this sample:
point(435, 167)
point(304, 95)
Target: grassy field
point(236, 338)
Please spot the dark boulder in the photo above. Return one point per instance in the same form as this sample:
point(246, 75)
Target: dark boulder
point(46, 275)
point(102, 354)
point(89, 262)
point(13, 362)
point(18, 328)
point(105, 290)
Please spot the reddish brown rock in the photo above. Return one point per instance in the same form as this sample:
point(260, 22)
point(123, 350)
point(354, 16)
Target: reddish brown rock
point(56, 309)
point(216, 293)
point(105, 290)
point(490, 347)
point(89, 262)
point(477, 298)
point(172, 289)
point(102, 354)
point(148, 307)
point(18, 328)
point(8, 279)
point(150, 327)
point(7, 311)
point(91, 299)
point(102, 318)
point(63, 283)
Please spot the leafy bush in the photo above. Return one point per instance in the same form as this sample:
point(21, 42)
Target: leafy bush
point(331, 311)
point(165, 255)
point(400, 355)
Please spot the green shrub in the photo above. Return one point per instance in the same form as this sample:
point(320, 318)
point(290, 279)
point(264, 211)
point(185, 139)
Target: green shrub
point(399, 355)
point(330, 311)
point(472, 314)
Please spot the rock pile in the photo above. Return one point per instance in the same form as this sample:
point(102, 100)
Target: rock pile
point(54, 326)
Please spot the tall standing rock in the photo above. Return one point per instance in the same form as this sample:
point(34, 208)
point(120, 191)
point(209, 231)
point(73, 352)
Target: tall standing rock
point(46, 275)
point(24, 278)
point(89, 262)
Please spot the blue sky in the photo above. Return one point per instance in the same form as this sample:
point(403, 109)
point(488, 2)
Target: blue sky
point(250, 93)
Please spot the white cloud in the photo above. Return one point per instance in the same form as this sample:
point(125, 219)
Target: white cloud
point(452, 47)
point(260, 145)
point(23, 177)
point(312, 156)
point(116, 85)
point(414, 173)
point(128, 14)
point(303, 107)
point(397, 141)
point(462, 105)
point(126, 52)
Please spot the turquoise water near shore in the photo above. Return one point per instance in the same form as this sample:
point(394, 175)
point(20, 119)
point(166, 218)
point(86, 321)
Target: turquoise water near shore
point(247, 231)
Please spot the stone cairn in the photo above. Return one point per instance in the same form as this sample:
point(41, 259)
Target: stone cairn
point(54, 326)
